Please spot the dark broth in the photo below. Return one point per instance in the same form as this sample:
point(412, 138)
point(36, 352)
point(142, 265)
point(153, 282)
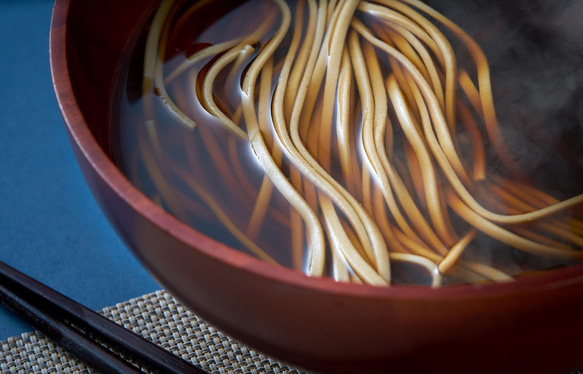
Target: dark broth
point(535, 51)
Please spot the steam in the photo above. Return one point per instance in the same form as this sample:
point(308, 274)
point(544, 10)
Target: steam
point(535, 49)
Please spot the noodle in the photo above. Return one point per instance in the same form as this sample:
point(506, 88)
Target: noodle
point(350, 111)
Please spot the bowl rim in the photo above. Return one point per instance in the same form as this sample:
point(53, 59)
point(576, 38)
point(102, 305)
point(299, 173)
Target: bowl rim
point(80, 133)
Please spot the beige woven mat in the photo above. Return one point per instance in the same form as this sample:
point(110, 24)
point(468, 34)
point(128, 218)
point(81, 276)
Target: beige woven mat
point(159, 318)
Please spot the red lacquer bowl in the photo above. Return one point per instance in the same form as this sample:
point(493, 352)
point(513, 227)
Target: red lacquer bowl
point(533, 325)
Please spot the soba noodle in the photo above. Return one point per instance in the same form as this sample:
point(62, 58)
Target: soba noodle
point(323, 103)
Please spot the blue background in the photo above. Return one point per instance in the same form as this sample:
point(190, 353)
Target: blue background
point(50, 226)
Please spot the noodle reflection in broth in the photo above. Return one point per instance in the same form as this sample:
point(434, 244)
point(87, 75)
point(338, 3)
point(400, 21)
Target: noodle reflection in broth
point(342, 138)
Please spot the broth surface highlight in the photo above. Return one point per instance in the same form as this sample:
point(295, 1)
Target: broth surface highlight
point(374, 142)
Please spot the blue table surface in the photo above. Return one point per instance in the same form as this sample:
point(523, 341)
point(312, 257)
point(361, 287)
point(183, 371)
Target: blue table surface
point(50, 226)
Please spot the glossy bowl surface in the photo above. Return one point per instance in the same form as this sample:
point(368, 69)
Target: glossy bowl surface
point(532, 325)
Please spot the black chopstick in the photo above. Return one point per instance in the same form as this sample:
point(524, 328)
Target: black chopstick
point(69, 338)
point(82, 331)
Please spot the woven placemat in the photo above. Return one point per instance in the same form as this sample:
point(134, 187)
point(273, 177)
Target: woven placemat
point(159, 318)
